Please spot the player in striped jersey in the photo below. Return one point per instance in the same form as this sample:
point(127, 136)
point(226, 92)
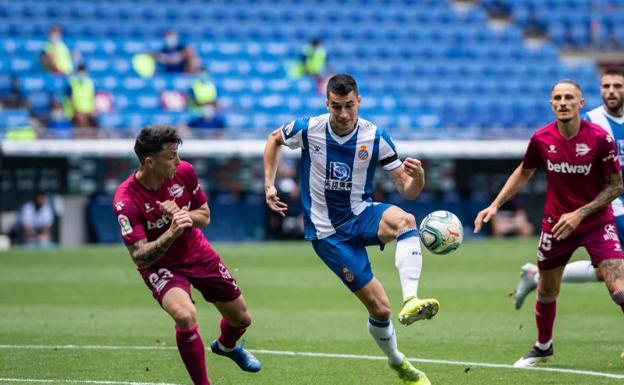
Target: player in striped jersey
point(609, 116)
point(339, 154)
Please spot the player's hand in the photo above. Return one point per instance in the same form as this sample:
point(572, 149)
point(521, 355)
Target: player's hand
point(413, 168)
point(181, 221)
point(484, 216)
point(168, 207)
point(273, 201)
point(566, 224)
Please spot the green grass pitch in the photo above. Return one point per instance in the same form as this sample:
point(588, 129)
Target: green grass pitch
point(93, 297)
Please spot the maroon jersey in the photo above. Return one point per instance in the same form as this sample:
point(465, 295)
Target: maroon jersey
point(140, 218)
point(577, 169)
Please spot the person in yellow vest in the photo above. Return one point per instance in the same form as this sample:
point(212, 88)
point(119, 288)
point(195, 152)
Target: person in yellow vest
point(203, 90)
point(56, 57)
point(313, 62)
point(80, 101)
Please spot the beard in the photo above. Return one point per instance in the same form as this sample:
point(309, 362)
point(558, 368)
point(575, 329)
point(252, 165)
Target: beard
point(614, 109)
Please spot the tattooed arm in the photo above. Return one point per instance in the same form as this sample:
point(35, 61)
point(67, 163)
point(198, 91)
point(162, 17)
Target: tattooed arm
point(606, 196)
point(568, 222)
point(145, 253)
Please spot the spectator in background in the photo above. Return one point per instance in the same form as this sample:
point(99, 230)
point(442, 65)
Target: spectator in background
point(511, 219)
point(203, 91)
point(56, 57)
point(80, 101)
point(33, 226)
point(313, 62)
point(57, 124)
point(176, 56)
point(202, 101)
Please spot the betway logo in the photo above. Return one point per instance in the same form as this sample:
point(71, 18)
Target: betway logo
point(567, 168)
point(160, 223)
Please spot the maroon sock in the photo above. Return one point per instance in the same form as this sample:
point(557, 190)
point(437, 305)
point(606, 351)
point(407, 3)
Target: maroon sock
point(229, 334)
point(191, 350)
point(545, 320)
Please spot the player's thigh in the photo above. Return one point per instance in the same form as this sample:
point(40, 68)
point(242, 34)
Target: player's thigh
point(375, 299)
point(603, 244)
point(346, 256)
point(393, 220)
point(179, 305)
point(235, 312)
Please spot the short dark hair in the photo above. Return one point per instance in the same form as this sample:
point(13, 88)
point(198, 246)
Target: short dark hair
point(617, 71)
point(341, 85)
point(152, 139)
point(566, 81)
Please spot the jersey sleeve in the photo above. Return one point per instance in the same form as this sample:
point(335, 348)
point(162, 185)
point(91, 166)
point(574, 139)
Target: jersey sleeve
point(198, 197)
point(388, 157)
point(607, 156)
point(131, 221)
point(532, 157)
point(292, 132)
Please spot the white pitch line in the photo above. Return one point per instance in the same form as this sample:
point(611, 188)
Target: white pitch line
point(316, 354)
point(44, 381)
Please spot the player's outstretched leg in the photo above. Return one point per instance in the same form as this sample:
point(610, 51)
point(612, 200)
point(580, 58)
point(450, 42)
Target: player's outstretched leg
point(408, 261)
point(527, 283)
point(409, 374)
point(534, 356)
point(415, 309)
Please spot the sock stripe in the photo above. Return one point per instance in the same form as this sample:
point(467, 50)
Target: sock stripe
point(546, 300)
point(189, 330)
point(378, 323)
point(407, 233)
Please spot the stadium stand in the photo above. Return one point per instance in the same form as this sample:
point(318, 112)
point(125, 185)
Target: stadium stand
point(423, 65)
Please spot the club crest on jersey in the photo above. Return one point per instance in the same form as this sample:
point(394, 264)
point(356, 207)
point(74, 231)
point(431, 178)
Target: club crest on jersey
point(119, 206)
point(148, 207)
point(610, 234)
point(176, 190)
point(124, 224)
point(349, 276)
point(582, 149)
point(362, 153)
point(552, 149)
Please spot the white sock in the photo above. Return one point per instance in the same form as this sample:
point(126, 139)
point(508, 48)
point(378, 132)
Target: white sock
point(408, 261)
point(385, 337)
point(543, 346)
point(579, 271)
point(224, 348)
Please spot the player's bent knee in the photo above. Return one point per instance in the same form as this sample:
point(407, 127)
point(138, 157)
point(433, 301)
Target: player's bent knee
point(184, 317)
point(406, 222)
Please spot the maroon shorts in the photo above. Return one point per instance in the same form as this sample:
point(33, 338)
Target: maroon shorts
point(211, 278)
point(600, 240)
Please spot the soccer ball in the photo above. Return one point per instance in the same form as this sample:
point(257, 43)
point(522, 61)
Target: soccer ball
point(441, 232)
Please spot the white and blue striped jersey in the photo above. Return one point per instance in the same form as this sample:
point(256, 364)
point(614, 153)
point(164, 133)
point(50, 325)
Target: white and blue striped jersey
point(337, 171)
point(614, 126)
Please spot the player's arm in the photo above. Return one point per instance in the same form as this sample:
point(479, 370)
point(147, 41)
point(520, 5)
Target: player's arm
point(516, 182)
point(145, 253)
point(409, 179)
point(271, 160)
point(568, 222)
point(200, 215)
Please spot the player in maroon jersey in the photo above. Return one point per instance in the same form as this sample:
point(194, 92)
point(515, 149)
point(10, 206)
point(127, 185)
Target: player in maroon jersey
point(583, 175)
point(160, 209)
